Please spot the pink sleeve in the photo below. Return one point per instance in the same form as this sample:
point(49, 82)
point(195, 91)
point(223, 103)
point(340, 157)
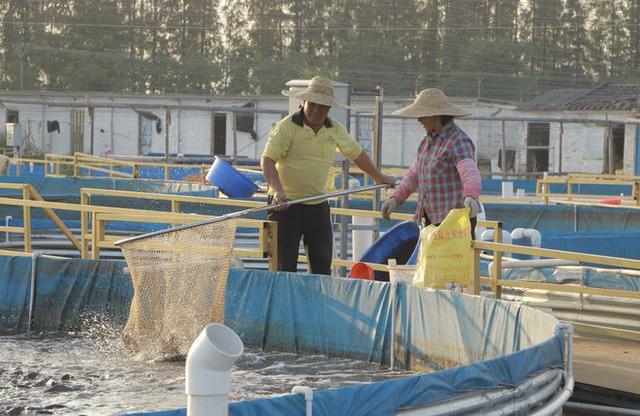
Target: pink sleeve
point(408, 185)
point(470, 176)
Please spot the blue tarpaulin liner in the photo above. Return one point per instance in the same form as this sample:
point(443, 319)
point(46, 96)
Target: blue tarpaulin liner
point(565, 218)
point(66, 290)
point(320, 314)
point(145, 172)
point(338, 317)
point(613, 244)
point(55, 187)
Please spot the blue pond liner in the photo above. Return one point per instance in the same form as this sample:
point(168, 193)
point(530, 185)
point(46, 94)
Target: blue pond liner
point(231, 182)
point(309, 314)
point(397, 243)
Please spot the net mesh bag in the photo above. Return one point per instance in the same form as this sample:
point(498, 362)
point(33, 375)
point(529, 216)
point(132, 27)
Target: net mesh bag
point(179, 281)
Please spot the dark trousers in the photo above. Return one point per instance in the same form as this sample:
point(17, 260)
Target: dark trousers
point(473, 222)
point(313, 224)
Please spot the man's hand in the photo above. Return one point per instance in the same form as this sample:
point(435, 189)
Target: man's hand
point(280, 198)
point(388, 207)
point(389, 180)
point(473, 205)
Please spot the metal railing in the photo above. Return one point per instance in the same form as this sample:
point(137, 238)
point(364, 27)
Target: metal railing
point(543, 187)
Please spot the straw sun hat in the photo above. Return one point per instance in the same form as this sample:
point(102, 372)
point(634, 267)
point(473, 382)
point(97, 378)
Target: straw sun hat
point(319, 91)
point(430, 102)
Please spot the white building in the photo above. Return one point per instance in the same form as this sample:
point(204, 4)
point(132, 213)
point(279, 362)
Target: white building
point(594, 147)
point(534, 138)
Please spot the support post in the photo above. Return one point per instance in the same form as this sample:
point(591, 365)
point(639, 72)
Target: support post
point(26, 218)
point(344, 202)
point(377, 151)
point(475, 270)
point(560, 138)
point(503, 140)
point(90, 110)
point(167, 123)
point(497, 263)
point(84, 226)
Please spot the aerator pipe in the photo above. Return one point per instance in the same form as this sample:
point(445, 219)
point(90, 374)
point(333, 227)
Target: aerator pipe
point(552, 407)
point(208, 370)
point(308, 397)
point(530, 233)
point(599, 409)
point(537, 263)
point(6, 224)
point(501, 402)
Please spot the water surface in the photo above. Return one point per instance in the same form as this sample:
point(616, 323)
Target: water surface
point(71, 375)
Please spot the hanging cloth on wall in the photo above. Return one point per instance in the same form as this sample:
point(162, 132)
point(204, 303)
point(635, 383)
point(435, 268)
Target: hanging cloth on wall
point(53, 125)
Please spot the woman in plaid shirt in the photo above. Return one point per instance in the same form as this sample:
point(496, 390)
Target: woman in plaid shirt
point(445, 173)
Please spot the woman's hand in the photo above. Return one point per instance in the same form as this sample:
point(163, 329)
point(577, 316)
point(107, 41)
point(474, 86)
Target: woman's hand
point(473, 205)
point(388, 207)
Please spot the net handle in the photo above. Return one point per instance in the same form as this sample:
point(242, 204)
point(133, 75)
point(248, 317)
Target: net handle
point(250, 211)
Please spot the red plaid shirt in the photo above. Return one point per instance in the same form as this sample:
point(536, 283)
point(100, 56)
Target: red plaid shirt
point(434, 174)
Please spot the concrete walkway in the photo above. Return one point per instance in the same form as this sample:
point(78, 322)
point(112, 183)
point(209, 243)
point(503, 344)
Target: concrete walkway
point(609, 363)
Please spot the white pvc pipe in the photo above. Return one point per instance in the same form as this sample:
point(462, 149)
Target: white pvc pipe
point(361, 236)
point(482, 215)
point(530, 233)
point(6, 224)
point(537, 263)
point(487, 235)
point(394, 292)
point(308, 397)
point(507, 189)
point(208, 370)
point(599, 409)
point(500, 401)
point(553, 406)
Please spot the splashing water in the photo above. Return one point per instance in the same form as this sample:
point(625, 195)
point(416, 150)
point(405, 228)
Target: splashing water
point(90, 375)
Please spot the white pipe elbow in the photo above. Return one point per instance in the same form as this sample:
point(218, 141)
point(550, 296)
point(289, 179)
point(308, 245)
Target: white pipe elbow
point(530, 233)
point(487, 235)
point(208, 370)
point(308, 397)
point(534, 235)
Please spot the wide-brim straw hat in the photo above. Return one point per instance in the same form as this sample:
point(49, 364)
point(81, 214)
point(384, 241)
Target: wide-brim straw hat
point(430, 102)
point(319, 91)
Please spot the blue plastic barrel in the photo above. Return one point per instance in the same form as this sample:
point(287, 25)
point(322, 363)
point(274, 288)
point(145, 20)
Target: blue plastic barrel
point(231, 182)
point(397, 243)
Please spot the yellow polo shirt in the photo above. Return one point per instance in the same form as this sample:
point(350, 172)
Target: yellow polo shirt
point(304, 158)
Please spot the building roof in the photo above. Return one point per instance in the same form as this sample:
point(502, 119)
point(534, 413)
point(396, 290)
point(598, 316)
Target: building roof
point(622, 97)
point(606, 97)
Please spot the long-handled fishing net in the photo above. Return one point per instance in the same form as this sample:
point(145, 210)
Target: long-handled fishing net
point(179, 279)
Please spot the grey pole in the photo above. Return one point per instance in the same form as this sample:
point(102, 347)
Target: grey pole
point(344, 202)
point(377, 150)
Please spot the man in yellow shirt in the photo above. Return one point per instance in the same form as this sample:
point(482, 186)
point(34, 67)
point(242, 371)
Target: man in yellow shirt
point(296, 163)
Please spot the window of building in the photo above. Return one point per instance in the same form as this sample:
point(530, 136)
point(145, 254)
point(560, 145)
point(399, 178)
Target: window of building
point(511, 161)
point(12, 116)
point(618, 147)
point(538, 147)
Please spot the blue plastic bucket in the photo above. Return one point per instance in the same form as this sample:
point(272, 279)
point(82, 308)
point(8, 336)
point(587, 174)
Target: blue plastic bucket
point(231, 182)
point(397, 243)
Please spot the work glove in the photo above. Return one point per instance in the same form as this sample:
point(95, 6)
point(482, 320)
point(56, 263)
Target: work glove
point(473, 205)
point(388, 207)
